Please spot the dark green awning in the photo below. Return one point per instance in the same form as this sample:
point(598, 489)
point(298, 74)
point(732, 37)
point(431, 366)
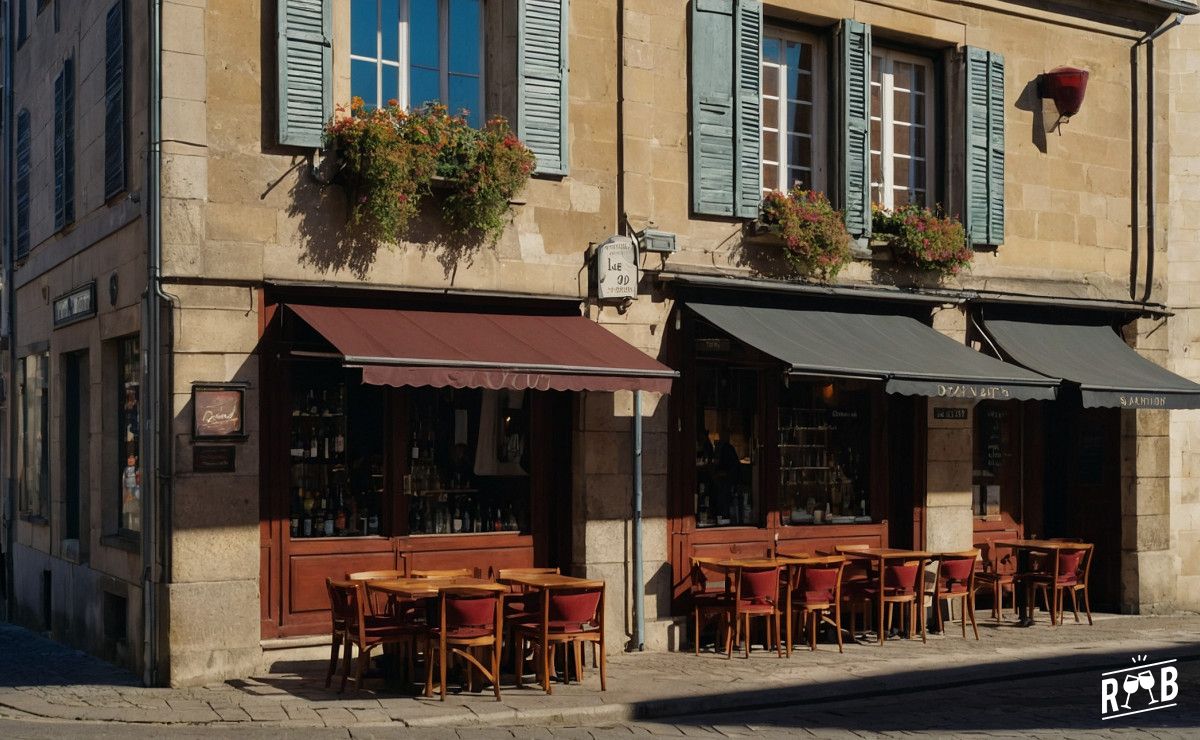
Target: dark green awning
point(910, 357)
point(1109, 372)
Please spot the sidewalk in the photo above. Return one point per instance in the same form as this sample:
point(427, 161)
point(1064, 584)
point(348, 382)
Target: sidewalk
point(39, 678)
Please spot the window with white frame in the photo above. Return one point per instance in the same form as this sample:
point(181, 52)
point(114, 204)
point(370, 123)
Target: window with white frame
point(793, 133)
point(418, 51)
point(901, 129)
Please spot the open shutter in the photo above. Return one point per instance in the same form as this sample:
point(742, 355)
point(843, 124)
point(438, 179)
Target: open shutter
point(69, 141)
point(748, 141)
point(712, 62)
point(542, 78)
point(305, 81)
point(854, 118)
point(114, 100)
point(984, 207)
point(59, 148)
point(22, 184)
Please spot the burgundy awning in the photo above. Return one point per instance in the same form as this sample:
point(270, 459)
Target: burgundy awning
point(400, 347)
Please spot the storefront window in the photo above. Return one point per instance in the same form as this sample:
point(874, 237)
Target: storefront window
point(824, 453)
point(33, 463)
point(468, 461)
point(727, 492)
point(129, 450)
point(336, 451)
point(995, 448)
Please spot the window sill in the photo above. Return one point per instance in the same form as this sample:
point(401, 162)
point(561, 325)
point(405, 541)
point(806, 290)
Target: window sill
point(37, 519)
point(128, 542)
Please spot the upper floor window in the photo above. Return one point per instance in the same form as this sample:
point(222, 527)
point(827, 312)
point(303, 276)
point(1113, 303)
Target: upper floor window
point(793, 135)
point(114, 100)
point(418, 51)
point(901, 130)
point(64, 146)
point(23, 172)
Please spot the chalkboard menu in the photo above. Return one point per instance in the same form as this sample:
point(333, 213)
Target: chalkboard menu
point(994, 449)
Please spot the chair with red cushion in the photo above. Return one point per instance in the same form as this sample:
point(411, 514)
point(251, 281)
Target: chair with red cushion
point(903, 584)
point(569, 616)
point(814, 590)
point(955, 580)
point(710, 596)
point(361, 630)
point(756, 595)
point(1074, 566)
point(469, 620)
point(997, 576)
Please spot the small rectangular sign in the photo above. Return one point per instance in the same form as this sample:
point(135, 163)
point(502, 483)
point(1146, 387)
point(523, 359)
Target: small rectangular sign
point(944, 412)
point(214, 459)
point(616, 269)
point(77, 305)
point(217, 411)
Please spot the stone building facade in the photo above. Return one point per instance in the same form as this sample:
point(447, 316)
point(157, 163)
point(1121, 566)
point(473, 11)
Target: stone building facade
point(248, 225)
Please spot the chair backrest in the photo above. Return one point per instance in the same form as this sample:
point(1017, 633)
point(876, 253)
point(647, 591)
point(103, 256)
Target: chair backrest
point(1073, 565)
point(374, 575)
point(820, 579)
point(443, 573)
point(956, 571)
point(901, 575)
point(346, 604)
point(759, 585)
point(706, 575)
point(996, 559)
point(470, 608)
point(579, 606)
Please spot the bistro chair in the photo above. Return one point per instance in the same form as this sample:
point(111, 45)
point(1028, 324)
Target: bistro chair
point(469, 620)
point(997, 576)
point(1074, 566)
point(955, 580)
point(710, 596)
point(858, 578)
point(814, 590)
point(443, 573)
point(756, 594)
point(570, 616)
point(389, 605)
point(366, 632)
point(903, 583)
point(519, 602)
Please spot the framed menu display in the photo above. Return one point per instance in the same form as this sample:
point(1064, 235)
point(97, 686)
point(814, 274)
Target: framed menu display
point(217, 411)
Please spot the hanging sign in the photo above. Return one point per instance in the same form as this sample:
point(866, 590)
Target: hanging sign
point(616, 269)
point(217, 411)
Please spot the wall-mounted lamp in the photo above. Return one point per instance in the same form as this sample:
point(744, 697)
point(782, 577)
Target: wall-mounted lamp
point(651, 240)
point(1066, 86)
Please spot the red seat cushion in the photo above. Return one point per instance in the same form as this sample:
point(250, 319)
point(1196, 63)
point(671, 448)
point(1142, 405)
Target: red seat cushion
point(463, 633)
point(560, 627)
point(755, 607)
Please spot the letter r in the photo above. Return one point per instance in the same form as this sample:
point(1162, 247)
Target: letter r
point(1108, 696)
point(1169, 682)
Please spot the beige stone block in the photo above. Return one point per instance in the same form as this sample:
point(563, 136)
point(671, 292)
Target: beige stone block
point(183, 222)
point(1153, 456)
point(239, 223)
point(216, 526)
point(949, 528)
point(182, 28)
point(203, 330)
point(1056, 226)
point(949, 477)
point(184, 76)
point(949, 445)
point(213, 631)
point(185, 176)
point(608, 452)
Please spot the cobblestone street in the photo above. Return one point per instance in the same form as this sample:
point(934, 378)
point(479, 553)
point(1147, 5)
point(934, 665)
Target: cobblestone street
point(1013, 682)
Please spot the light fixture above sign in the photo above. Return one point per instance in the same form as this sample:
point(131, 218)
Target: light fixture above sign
point(651, 240)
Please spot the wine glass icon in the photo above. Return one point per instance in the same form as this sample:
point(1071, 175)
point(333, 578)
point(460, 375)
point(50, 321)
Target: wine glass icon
point(1130, 686)
point(1146, 680)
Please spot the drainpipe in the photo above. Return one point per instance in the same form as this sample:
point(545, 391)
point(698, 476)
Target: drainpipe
point(8, 328)
point(639, 587)
point(1148, 42)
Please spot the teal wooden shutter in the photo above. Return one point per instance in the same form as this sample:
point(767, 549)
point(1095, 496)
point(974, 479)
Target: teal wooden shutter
point(114, 100)
point(305, 88)
point(748, 103)
point(854, 118)
point(542, 83)
point(984, 207)
point(711, 65)
point(22, 184)
point(69, 141)
point(59, 147)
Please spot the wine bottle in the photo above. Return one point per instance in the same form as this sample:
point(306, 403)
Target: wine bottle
point(313, 451)
point(312, 402)
point(456, 524)
point(297, 449)
point(339, 442)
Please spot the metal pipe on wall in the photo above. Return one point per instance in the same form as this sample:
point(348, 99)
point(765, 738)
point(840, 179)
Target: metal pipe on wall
point(8, 328)
point(639, 586)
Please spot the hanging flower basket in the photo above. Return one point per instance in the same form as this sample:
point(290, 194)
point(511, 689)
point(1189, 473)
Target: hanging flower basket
point(924, 239)
point(815, 240)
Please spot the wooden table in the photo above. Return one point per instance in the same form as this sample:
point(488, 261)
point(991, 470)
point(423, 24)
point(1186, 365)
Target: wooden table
point(880, 555)
point(424, 588)
point(545, 580)
point(1031, 546)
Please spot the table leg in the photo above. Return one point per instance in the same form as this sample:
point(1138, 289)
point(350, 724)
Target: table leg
point(879, 624)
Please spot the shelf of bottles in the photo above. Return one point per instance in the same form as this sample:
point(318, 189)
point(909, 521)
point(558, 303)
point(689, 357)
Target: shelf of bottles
point(821, 474)
point(327, 501)
point(445, 496)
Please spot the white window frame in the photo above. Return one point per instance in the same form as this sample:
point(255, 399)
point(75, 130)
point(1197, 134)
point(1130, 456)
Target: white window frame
point(819, 105)
point(887, 126)
point(403, 66)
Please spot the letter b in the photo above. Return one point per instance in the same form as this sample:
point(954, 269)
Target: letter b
point(1169, 681)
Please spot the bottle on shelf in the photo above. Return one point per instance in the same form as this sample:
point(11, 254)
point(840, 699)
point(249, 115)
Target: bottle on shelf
point(456, 523)
point(312, 402)
point(339, 522)
point(297, 448)
point(313, 450)
point(339, 442)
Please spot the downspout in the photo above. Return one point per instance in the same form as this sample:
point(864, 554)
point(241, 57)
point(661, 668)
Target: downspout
point(8, 330)
point(1151, 190)
point(639, 586)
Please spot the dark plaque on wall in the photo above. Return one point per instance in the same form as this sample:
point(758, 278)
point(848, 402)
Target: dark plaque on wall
point(214, 459)
point(945, 412)
point(217, 412)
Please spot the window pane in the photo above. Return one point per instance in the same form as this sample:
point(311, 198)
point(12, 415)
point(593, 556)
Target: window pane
point(424, 34)
point(918, 141)
point(876, 168)
point(770, 79)
point(770, 113)
point(771, 142)
point(770, 177)
point(918, 170)
point(800, 177)
point(876, 134)
point(901, 140)
point(876, 194)
point(800, 118)
point(920, 197)
point(770, 49)
point(364, 25)
point(464, 94)
point(799, 85)
point(902, 76)
point(918, 109)
point(876, 91)
point(389, 31)
point(903, 103)
point(800, 151)
point(423, 87)
point(900, 170)
point(129, 435)
point(919, 73)
point(876, 69)
point(726, 404)
point(391, 84)
point(464, 36)
point(362, 81)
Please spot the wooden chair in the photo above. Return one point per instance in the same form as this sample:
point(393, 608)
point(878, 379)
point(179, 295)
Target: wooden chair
point(857, 578)
point(568, 616)
point(1074, 567)
point(378, 605)
point(903, 585)
point(814, 590)
point(469, 619)
point(710, 597)
point(756, 594)
point(364, 631)
point(443, 573)
point(997, 576)
point(955, 580)
point(515, 603)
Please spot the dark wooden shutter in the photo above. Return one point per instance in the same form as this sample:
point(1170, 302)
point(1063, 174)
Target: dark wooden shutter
point(114, 100)
point(854, 124)
point(984, 207)
point(22, 184)
point(69, 141)
point(748, 119)
point(542, 83)
point(305, 89)
point(59, 147)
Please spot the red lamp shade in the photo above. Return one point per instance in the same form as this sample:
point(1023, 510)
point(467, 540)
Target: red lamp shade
point(1066, 87)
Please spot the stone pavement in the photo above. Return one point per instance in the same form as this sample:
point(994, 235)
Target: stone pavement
point(40, 679)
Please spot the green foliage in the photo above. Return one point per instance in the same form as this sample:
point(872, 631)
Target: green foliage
point(392, 158)
point(815, 239)
point(924, 238)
